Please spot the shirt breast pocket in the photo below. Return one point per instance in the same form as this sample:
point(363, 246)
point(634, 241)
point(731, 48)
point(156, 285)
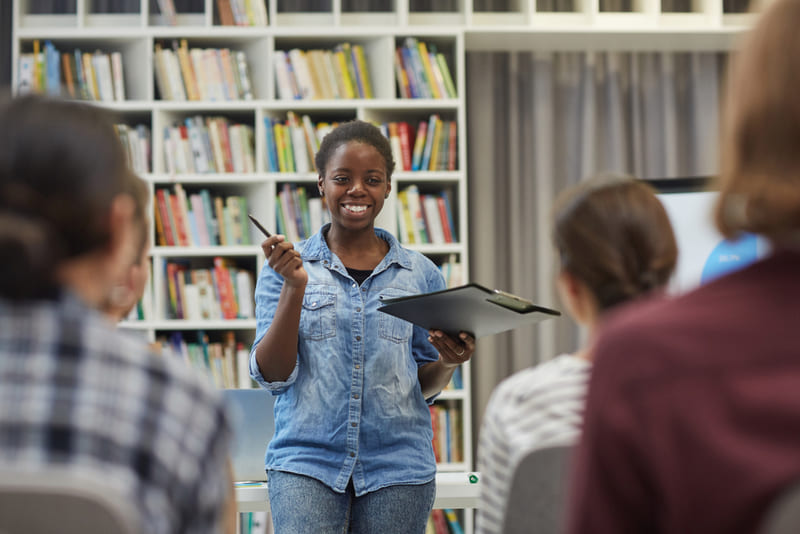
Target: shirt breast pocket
point(390, 327)
point(319, 315)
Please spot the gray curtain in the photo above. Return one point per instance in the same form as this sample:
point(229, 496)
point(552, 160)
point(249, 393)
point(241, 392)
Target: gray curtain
point(538, 122)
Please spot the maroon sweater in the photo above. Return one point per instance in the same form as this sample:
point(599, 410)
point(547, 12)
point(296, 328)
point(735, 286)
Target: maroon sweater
point(693, 411)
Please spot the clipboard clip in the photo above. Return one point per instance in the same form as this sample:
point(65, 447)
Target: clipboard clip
point(510, 301)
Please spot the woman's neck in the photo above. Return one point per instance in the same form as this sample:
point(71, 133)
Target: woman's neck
point(361, 250)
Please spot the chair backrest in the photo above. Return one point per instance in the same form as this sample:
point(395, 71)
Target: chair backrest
point(538, 492)
point(783, 516)
point(56, 501)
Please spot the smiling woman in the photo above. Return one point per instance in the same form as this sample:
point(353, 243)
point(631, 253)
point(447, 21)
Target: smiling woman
point(352, 449)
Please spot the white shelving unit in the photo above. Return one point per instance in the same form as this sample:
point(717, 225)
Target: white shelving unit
point(135, 34)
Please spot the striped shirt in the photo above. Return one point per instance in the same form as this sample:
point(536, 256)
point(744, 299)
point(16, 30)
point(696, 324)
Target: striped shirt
point(78, 395)
point(535, 408)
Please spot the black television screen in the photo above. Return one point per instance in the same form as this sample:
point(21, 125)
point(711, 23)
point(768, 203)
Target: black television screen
point(703, 254)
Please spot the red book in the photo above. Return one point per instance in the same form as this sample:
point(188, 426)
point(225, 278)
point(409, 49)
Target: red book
point(163, 209)
point(180, 223)
point(435, 425)
point(448, 234)
point(451, 147)
point(419, 146)
point(404, 132)
point(225, 140)
point(440, 522)
point(227, 297)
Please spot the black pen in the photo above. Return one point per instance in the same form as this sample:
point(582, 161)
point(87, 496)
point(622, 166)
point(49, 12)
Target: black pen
point(258, 225)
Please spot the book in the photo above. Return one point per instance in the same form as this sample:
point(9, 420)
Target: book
point(69, 79)
point(452, 521)
point(433, 121)
point(404, 133)
point(167, 8)
point(26, 68)
point(271, 148)
point(187, 71)
point(403, 87)
point(360, 60)
point(471, 308)
point(448, 80)
point(225, 13)
point(425, 59)
point(419, 145)
point(118, 76)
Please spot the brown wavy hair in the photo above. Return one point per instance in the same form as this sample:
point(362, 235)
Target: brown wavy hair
point(612, 233)
point(61, 166)
point(759, 178)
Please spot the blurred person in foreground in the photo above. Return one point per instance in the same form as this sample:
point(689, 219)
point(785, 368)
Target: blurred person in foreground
point(693, 407)
point(75, 393)
point(615, 245)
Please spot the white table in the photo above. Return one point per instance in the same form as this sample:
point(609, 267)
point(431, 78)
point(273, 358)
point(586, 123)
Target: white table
point(453, 490)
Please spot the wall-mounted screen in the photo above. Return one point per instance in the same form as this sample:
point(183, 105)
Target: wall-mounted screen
point(703, 254)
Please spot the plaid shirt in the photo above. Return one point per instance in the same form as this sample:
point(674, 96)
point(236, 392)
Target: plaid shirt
point(77, 393)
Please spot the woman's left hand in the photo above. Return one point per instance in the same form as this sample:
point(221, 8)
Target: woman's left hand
point(452, 350)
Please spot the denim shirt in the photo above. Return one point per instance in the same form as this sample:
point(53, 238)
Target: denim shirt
point(352, 406)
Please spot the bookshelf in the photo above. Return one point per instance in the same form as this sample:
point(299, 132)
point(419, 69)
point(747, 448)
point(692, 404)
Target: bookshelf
point(152, 112)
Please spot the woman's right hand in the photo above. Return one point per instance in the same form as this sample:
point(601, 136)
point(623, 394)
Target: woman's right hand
point(285, 260)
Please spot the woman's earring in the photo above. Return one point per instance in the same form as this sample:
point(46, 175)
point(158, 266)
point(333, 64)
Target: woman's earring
point(386, 196)
point(321, 193)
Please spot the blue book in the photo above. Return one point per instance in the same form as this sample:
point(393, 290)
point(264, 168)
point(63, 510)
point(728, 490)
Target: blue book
point(419, 68)
point(426, 152)
point(452, 521)
point(211, 222)
point(272, 148)
point(53, 69)
point(359, 81)
point(280, 225)
point(193, 227)
point(411, 73)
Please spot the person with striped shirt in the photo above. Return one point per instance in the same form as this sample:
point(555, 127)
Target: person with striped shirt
point(615, 244)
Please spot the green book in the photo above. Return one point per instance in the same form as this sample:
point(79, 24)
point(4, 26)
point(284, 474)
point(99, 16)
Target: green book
point(448, 80)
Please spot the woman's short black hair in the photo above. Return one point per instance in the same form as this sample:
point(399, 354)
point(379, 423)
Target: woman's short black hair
point(360, 132)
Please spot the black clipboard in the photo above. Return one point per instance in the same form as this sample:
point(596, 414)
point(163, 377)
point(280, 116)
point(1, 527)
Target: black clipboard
point(470, 308)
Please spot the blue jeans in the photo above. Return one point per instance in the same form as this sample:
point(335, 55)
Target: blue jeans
point(301, 505)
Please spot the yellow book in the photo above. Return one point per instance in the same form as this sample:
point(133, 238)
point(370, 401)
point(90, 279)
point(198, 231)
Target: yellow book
point(189, 78)
point(361, 62)
point(426, 63)
point(38, 68)
point(437, 139)
point(279, 147)
point(405, 220)
point(91, 77)
point(219, 210)
point(344, 72)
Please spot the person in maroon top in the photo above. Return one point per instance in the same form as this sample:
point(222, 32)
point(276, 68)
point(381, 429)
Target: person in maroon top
point(693, 412)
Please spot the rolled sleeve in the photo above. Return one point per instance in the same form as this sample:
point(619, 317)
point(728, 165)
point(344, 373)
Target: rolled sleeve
point(268, 290)
point(277, 387)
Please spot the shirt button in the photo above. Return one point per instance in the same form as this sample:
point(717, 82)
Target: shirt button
point(363, 289)
point(352, 455)
point(358, 338)
point(355, 395)
point(358, 366)
point(355, 285)
point(358, 309)
point(353, 424)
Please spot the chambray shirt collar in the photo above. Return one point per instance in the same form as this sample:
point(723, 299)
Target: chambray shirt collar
point(316, 248)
